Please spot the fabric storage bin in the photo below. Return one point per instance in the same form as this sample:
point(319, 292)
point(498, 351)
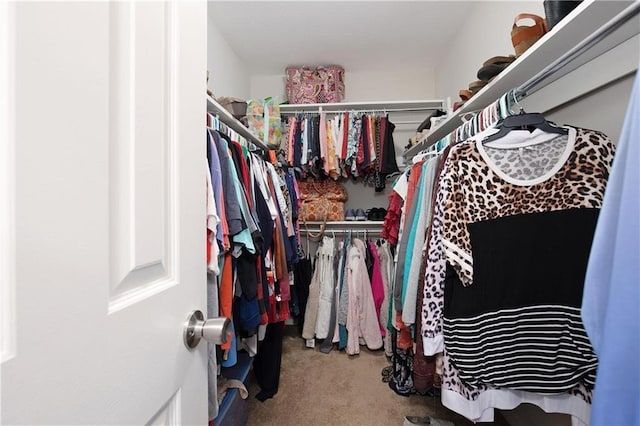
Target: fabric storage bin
point(303, 85)
point(322, 201)
point(321, 210)
point(307, 86)
point(332, 78)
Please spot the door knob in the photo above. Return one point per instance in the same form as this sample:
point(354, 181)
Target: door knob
point(214, 330)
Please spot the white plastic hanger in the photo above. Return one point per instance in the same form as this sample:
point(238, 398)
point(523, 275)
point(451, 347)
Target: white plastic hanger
point(423, 154)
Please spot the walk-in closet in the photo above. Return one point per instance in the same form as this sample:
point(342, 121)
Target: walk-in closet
point(441, 75)
point(232, 213)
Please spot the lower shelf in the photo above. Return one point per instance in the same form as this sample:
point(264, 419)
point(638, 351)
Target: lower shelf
point(234, 411)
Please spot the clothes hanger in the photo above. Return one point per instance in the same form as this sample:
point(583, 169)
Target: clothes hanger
point(215, 122)
point(524, 121)
point(423, 154)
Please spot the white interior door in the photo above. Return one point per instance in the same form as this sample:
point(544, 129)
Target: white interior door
point(103, 212)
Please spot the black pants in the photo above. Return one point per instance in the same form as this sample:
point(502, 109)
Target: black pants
point(266, 365)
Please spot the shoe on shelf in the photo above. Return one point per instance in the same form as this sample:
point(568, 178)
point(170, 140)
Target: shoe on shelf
point(475, 86)
point(494, 66)
point(382, 212)
point(350, 215)
point(359, 213)
point(465, 95)
point(372, 213)
point(524, 36)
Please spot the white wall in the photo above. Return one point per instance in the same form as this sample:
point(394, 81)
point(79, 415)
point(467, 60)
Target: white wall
point(486, 32)
point(228, 75)
point(403, 84)
point(263, 86)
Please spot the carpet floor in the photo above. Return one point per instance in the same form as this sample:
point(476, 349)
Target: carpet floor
point(337, 389)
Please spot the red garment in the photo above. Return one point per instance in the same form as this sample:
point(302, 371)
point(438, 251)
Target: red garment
point(391, 225)
point(414, 180)
point(361, 144)
point(226, 292)
point(377, 286)
point(225, 225)
point(244, 174)
point(278, 309)
point(345, 135)
point(404, 333)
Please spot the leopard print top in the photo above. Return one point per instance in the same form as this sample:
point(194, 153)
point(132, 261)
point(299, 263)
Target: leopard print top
point(475, 190)
point(482, 183)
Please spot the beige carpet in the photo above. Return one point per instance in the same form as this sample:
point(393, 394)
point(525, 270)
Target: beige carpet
point(336, 389)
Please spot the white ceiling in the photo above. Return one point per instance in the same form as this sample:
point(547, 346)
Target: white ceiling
point(358, 35)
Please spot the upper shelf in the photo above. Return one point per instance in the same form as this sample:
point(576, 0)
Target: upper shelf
point(389, 106)
point(225, 116)
point(573, 29)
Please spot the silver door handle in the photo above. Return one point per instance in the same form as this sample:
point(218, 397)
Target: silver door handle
point(214, 330)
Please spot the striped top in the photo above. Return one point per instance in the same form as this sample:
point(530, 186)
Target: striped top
point(514, 225)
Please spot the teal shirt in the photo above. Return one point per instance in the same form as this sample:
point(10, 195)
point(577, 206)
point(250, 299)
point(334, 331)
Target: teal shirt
point(243, 238)
point(414, 226)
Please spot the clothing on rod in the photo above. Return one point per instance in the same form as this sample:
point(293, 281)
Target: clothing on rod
point(493, 241)
point(252, 252)
point(344, 145)
point(345, 304)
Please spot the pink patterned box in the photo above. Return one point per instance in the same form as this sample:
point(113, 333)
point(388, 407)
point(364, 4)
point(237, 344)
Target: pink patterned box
point(320, 85)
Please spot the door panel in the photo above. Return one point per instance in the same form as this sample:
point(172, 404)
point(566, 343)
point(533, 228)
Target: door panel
point(109, 213)
point(7, 184)
point(143, 157)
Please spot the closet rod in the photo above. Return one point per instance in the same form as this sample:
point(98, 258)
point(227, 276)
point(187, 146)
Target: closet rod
point(616, 22)
point(342, 231)
point(363, 111)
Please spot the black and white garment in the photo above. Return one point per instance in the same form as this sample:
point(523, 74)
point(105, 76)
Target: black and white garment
point(509, 246)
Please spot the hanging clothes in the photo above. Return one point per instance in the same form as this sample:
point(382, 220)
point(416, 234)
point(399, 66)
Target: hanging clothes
point(386, 268)
point(345, 302)
point(311, 310)
point(412, 272)
point(362, 322)
point(326, 286)
point(377, 286)
point(509, 245)
point(409, 216)
point(335, 145)
point(252, 249)
point(303, 273)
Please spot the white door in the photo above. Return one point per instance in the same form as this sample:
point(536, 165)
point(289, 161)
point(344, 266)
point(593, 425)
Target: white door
point(102, 194)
